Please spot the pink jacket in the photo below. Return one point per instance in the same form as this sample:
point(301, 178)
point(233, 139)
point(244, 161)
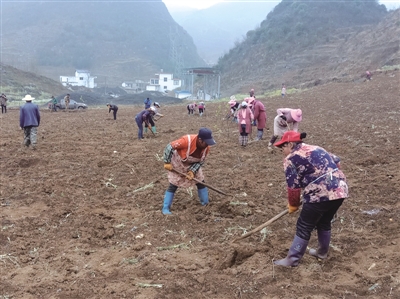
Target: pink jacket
point(247, 116)
point(260, 114)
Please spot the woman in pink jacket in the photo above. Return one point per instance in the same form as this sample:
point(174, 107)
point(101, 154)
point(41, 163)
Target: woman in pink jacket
point(245, 119)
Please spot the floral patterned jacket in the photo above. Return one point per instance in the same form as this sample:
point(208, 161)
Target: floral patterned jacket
point(317, 172)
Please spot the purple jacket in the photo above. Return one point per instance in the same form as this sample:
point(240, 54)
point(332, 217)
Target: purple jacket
point(29, 115)
point(144, 116)
point(316, 171)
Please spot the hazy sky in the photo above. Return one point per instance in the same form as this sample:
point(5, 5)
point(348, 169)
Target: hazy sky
point(201, 4)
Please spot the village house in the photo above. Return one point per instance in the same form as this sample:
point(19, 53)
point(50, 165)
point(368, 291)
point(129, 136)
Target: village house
point(163, 82)
point(81, 78)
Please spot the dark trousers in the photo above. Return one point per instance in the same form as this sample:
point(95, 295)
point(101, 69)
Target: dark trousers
point(316, 215)
point(243, 130)
point(3, 108)
point(139, 123)
point(172, 188)
point(115, 113)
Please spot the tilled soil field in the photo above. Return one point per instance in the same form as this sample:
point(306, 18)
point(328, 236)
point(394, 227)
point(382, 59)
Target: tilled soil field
point(81, 216)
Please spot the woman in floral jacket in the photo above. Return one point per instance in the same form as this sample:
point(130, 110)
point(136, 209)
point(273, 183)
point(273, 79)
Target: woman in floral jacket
point(317, 172)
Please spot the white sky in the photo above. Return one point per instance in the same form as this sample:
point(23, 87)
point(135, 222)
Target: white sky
point(201, 4)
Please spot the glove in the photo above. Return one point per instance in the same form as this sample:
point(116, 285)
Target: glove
point(190, 175)
point(292, 209)
point(283, 117)
point(294, 196)
point(338, 165)
point(168, 166)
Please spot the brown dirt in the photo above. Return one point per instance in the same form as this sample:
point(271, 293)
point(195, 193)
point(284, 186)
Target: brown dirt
point(75, 223)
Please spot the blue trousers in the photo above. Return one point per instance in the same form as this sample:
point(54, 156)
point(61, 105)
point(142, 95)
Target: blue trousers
point(139, 123)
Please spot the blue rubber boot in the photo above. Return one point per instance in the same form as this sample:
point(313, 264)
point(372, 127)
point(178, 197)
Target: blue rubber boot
point(153, 128)
point(168, 198)
point(295, 253)
point(203, 195)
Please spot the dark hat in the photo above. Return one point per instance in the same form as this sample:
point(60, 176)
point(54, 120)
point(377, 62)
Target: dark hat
point(205, 134)
point(290, 136)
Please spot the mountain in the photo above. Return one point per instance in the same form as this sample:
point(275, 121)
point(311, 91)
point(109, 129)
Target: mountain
point(303, 43)
point(115, 40)
point(216, 29)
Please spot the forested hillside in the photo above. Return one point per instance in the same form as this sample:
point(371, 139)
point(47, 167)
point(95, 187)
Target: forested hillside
point(308, 42)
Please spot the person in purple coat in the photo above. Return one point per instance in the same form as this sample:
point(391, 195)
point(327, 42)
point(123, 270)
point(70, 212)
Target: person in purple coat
point(29, 120)
point(144, 116)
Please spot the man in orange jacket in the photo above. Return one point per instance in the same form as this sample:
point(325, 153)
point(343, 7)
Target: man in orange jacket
point(187, 155)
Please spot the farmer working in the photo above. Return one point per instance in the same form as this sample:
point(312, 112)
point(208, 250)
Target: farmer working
point(144, 116)
point(285, 117)
point(147, 103)
point(260, 117)
point(317, 172)
point(153, 118)
point(187, 155)
point(3, 102)
point(29, 120)
point(66, 101)
point(114, 108)
point(245, 119)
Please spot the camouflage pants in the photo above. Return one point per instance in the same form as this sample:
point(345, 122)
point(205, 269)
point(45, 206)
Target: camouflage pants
point(30, 136)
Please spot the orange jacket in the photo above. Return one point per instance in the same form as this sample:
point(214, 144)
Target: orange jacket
point(186, 145)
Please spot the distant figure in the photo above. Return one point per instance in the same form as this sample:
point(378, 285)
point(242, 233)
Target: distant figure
point(202, 108)
point(153, 118)
point(144, 117)
point(53, 104)
point(245, 119)
point(234, 105)
point(3, 102)
point(252, 93)
point(147, 103)
point(283, 91)
point(66, 101)
point(368, 75)
point(29, 120)
point(260, 118)
point(114, 108)
point(191, 108)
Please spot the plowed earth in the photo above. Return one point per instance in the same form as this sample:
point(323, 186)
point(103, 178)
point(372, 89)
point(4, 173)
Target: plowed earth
point(81, 215)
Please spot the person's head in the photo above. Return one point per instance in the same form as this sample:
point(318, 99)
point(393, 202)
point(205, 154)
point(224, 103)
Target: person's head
point(244, 105)
point(156, 104)
point(28, 98)
point(204, 138)
point(108, 104)
point(152, 110)
point(296, 114)
point(289, 140)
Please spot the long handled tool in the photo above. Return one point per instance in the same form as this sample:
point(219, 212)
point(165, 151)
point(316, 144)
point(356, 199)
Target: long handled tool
point(258, 228)
point(196, 180)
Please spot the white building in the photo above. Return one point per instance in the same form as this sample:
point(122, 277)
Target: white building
point(81, 78)
point(163, 82)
